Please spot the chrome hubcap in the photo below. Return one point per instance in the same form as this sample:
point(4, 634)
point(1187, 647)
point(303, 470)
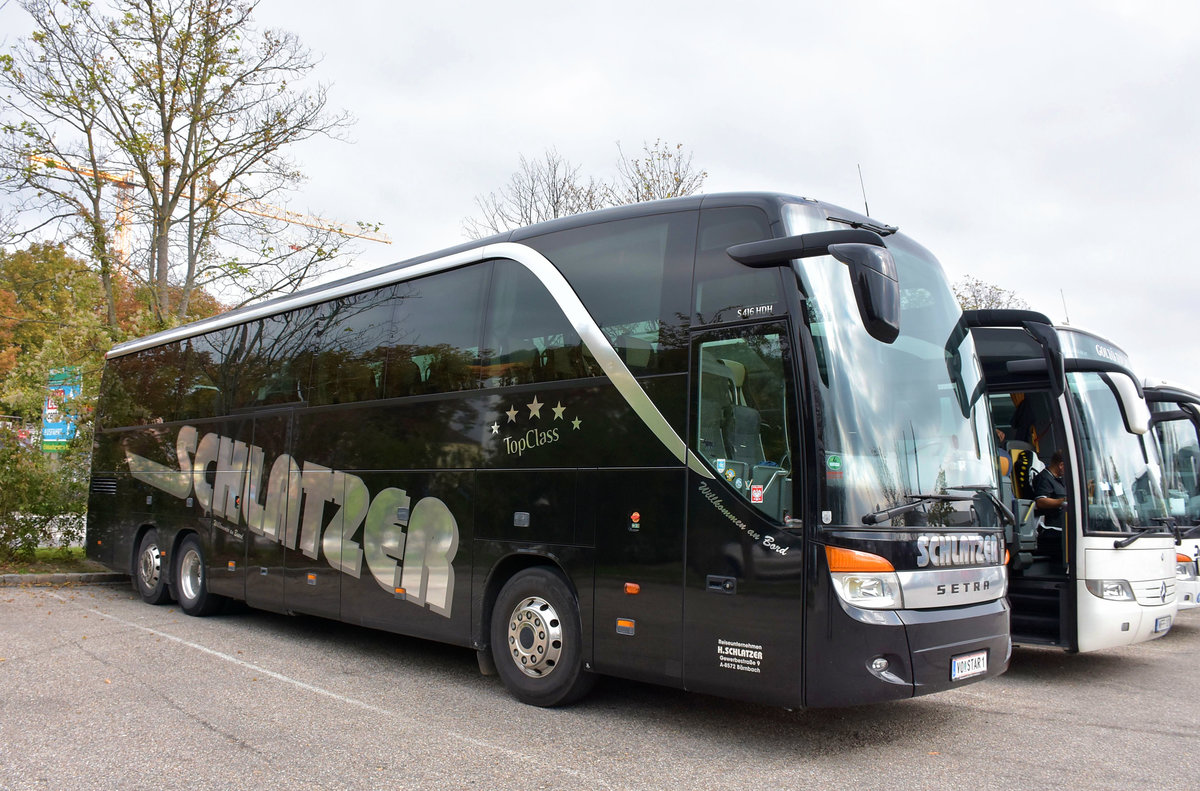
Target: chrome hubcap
point(150, 567)
point(191, 574)
point(535, 637)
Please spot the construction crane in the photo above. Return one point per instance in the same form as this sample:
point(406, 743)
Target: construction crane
point(126, 184)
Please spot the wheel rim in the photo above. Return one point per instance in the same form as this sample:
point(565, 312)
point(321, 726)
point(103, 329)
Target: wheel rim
point(535, 637)
point(191, 574)
point(150, 567)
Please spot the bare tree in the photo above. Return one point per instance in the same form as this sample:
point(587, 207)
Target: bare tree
point(175, 117)
point(664, 171)
point(541, 189)
point(551, 187)
point(975, 294)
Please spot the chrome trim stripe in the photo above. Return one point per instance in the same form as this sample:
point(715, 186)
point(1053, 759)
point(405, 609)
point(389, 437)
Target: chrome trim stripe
point(952, 587)
point(589, 331)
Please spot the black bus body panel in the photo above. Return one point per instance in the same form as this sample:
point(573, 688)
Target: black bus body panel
point(410, 510)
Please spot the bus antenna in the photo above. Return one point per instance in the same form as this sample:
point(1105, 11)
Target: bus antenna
point(863, 186)
point(1066, 317)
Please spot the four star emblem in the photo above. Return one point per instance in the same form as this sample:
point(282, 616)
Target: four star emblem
point(535, 412)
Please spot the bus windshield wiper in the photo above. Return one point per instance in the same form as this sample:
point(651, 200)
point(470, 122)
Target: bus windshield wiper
point(917, 500)
point(1121, 543)
point(990, 492)
point(879, 228)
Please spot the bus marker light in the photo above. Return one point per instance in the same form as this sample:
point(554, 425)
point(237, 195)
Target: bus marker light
point(312, 579)
point(626, 626)
point(635, 522)
point(853, 560)
point(232, 565)
point(632, 588)
point(399, 593)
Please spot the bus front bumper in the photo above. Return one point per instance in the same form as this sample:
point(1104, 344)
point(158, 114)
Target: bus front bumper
point(952, 647)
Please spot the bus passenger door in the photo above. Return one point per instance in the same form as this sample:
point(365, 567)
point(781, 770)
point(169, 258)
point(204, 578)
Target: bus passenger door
point(744, 590)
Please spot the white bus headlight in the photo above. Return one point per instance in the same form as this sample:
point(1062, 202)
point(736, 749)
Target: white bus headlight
point(1113, 590)
point(873, 591)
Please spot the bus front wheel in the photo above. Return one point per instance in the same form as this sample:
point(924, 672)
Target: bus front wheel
point(537, 640)
point(148, 577)
point(191, 575)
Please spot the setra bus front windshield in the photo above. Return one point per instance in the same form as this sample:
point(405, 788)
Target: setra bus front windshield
point(901, 421)
point(1120, 472)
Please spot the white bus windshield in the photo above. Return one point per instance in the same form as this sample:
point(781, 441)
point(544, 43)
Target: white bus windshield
point(1120, 472)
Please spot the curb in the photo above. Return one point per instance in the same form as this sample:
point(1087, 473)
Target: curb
point(82, 578)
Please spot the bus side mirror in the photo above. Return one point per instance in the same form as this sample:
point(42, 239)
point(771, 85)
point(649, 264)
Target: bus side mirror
point(872, 270)
point(876, 287)
point(1052, 351)
point(1132, 401)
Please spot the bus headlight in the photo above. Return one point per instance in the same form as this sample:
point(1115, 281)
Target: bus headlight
point(1113, 590)
point(864, 580)
point(1185, 567)
point(879, 591)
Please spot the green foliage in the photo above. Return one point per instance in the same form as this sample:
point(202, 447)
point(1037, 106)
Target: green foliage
point(43, 497)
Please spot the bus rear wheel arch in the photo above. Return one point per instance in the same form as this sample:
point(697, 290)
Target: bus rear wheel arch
point(536, 639)
point(191, 579)
point(149, 570)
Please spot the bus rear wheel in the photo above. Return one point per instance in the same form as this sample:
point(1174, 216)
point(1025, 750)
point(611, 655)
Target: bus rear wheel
point(191, 580)
point(148, 578)
point(537, 640)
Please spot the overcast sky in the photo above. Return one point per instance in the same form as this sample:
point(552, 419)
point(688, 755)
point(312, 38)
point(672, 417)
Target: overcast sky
point(1044, 146)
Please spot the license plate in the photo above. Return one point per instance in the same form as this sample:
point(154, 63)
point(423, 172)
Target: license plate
point(1162, 624)
point(968, 665)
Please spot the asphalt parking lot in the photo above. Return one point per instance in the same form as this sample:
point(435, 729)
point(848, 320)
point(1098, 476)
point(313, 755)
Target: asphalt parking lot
point(101, 691)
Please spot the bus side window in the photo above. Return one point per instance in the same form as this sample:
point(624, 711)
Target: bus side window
point(353, 346)
point(204, 378)
point(434, 346)
point(528, 337)
point(743, 402)
point(725, 288)
point(633, 276)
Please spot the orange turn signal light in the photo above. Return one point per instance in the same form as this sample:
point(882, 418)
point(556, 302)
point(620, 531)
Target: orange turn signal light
point(632, 588)
point(1182, 558)
point(841, 560)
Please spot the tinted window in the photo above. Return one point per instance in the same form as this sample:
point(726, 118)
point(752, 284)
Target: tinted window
point(205, 389)
point(528, 338)
point(355, 334)
point(723, 286)
point(144, 387)
point(277, 359)
point(438, 322)
point(633, 276)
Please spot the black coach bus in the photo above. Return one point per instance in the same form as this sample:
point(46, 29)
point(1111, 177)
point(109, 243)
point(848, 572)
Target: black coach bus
point(729, 443)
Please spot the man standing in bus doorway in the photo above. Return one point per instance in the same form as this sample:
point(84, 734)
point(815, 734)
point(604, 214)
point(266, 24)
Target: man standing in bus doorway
point(1050, 499)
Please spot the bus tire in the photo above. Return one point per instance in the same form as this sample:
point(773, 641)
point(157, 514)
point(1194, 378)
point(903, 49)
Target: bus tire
point(191, 580)
point(537, 640)
point(148, 578)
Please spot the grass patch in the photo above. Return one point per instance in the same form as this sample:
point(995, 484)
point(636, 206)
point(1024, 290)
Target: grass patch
point(52, 560)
